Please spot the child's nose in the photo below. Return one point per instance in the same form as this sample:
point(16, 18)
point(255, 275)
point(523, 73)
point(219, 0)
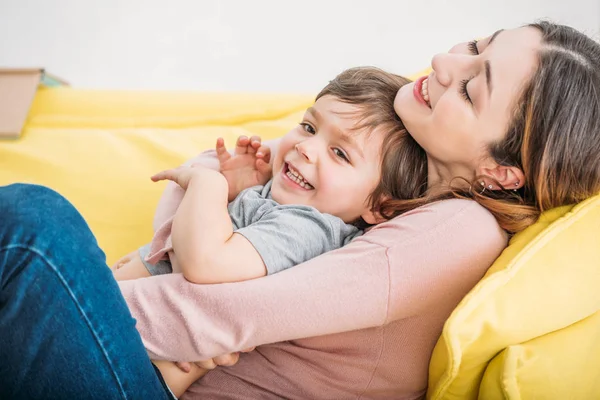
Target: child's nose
point(304, 150)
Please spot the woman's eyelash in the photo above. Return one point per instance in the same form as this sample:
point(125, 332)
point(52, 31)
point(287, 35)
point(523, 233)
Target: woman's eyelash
point(472, 45)
point(463, 90)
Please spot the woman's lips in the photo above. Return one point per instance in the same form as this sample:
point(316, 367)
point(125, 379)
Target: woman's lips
point(418, 91)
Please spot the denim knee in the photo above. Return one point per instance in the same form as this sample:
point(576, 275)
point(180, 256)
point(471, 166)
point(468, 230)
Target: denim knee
point(30, 211)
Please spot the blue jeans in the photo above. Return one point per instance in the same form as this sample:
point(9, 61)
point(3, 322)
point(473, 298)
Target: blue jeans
point(65, 329)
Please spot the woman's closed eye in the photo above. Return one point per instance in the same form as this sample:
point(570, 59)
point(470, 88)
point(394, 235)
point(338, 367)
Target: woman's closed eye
point(463, 90)
point(472, 45)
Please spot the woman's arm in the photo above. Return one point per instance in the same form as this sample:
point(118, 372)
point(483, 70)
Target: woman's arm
point(182, 321)
point(397, 270)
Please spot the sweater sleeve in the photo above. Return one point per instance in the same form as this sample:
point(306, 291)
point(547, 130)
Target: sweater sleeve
point(375, 279)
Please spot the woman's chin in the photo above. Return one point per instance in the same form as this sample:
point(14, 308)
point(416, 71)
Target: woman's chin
point(404, 103)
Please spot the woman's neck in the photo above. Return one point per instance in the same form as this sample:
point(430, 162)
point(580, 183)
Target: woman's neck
point(440, 175)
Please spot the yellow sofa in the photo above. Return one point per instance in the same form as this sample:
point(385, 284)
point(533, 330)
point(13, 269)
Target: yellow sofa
point(529, 329)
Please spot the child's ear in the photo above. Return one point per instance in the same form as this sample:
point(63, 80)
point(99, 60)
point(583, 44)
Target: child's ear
point(373, 218)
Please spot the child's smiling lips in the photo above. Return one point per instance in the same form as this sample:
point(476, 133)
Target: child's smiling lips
point(295, 176)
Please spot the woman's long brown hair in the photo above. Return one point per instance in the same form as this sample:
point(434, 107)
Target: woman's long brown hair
point(554, 136)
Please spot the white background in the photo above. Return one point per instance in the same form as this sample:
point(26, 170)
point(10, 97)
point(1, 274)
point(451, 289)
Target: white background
point(254, 45)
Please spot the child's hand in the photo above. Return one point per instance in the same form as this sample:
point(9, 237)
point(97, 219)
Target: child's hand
point(182, 175)
point(249, 166)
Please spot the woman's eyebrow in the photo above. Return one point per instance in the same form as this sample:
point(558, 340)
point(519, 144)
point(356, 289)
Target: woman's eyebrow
point(495, 35)
point(488, 77)
point(488, 66)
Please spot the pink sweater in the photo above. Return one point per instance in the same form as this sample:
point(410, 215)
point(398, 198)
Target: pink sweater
point(358, 322)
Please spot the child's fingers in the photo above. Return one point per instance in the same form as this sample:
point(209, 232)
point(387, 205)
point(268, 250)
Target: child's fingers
point(158, 177)
point(222, 153)
point(263, 167)
point(264, 152)
point(254, 144)
point(170, 174)
point(241, 146)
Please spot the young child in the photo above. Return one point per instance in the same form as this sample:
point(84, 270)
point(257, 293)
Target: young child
point(332, 176)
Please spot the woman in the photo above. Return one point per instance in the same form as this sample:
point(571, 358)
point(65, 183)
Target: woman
point(515, 116)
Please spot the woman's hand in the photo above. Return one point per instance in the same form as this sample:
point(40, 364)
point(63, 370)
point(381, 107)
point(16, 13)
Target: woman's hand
point(176, 379)
point(247, 167)
point(226, 360)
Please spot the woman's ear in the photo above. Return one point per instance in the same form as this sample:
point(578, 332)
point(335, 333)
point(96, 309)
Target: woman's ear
point(509, 177)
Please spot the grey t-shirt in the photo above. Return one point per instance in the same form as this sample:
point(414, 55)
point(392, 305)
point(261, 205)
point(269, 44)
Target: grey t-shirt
point(283, 235)
point(286, 235)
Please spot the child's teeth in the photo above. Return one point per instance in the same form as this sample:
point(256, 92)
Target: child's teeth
point(296, 177)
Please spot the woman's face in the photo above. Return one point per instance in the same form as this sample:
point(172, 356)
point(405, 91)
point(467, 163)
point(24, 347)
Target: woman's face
point(465, 104)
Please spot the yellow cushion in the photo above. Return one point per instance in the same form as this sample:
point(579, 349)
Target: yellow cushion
point(547, 280)
point(99, 148)
point(558, 365)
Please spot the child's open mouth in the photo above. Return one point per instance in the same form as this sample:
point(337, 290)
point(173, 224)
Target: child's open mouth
point(296, 177)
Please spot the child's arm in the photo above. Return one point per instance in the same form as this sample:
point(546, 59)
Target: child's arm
point(207, 249)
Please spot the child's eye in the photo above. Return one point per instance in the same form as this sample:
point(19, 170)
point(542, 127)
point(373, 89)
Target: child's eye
point(340, 154)
point(308, 128)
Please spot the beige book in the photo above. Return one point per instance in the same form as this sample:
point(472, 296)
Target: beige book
point(17, 90)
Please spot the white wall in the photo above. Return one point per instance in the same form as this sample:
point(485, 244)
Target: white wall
point(254, 45)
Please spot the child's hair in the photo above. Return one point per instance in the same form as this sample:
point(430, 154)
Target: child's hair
point(403, 161)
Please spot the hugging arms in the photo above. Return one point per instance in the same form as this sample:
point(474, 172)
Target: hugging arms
point(360, 320)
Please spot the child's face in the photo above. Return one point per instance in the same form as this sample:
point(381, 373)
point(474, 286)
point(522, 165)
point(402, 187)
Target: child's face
point(338, 167)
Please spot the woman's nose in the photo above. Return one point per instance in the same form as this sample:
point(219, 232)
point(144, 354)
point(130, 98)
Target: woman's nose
point(449, 66)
